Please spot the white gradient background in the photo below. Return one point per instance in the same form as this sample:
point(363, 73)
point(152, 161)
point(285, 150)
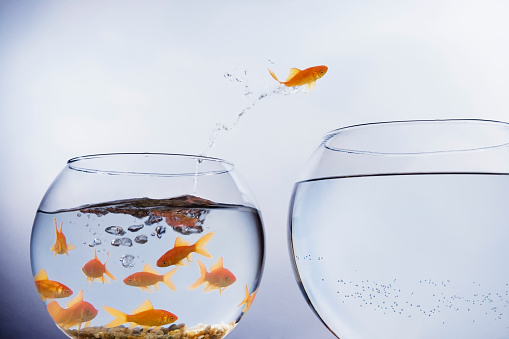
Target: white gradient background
point(84, 77)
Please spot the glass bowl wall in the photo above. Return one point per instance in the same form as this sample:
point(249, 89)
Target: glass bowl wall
point(167, 243)
point(400, 230)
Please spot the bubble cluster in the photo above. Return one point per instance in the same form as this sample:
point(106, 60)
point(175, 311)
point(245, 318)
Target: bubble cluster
point(426, 297)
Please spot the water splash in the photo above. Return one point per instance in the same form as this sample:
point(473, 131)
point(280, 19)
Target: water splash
point(242, 79)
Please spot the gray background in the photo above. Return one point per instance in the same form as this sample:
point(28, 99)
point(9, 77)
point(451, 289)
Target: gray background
point(84, 77)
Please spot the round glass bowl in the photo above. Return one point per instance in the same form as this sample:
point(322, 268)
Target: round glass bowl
point(400, 230)
point(136, 243)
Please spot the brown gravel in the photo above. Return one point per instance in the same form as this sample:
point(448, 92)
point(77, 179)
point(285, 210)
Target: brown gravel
point(174, 331)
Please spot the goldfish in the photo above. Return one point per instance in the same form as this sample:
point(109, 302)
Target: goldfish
point(49, 289)
point(307, 77)
point(149, 277)
point(248, 300)
point(219, 278)
point(145, 315)
point(94, 269)
point(76, 313)
point(60, 246)
point(183, 249)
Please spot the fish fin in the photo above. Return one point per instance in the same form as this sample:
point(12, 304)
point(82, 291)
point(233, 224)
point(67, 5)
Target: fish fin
point(167, 279)
point(181, 263)
point(87, 324)
point(202, 278)
point(208, 288)
point(179, 242)
point(217, 265)
point(274, 76)
point(70, 247)
point(145, 289)
point(189, 257)
point(147, 268)
point(108, 273)
point(95, 255)
point(77, 299)
point(41, 275)
point(120, 317)
point(311, 85)
point(244, 301)
point(145, 306)
point(54, 310)
point(43, 298)
point(199, 247)
point(293, 72)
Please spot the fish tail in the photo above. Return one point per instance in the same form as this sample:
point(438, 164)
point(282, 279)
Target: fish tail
point(199, 247)
point(54, 310)
point(167, 279)
point(274, 76)
point(109, 274)
point(120, 317)
point(202, 278)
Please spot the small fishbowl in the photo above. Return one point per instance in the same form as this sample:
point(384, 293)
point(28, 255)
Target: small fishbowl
point(401, 230)
point(133, 245)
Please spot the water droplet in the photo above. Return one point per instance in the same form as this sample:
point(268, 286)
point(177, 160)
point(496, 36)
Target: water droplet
point(95, 242)
point(115, 230)
point(141, 239)
point(126, 242)
point(160, 230)
point(127, 260)
point(152, 219)
point(116, 242)
point(135, 228)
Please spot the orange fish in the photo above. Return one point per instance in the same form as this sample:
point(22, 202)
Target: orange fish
point(248, 300)
point(183, 249)
point(94, 269)
point(60, 246)
point(77, 312)
point(149, 277)
point(145, 315)
point(307, 77)
point(49, 289)
point(219, 277)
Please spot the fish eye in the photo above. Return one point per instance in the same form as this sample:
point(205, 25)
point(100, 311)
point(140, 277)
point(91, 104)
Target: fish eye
point(321, 72)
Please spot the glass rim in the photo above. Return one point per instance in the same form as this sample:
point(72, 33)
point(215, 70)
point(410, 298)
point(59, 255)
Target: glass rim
point(331, 134)
point(227, 166)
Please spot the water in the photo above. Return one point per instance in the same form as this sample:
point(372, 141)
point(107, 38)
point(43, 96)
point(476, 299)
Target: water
point(124, 235)
point(248, 92)
point(405, 256)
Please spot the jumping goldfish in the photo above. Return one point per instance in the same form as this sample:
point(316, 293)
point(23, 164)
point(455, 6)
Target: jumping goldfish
point(149, 277)
point(307, 77)
point(219, 277)
point(49, 289)
point(183, 249)
point(145, 315)
point(77, 312)
point(60, 246)
point(248, 300)
point(94, 269)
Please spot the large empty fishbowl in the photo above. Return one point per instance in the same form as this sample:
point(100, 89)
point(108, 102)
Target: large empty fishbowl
point(130, 244)
point(401, 230)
